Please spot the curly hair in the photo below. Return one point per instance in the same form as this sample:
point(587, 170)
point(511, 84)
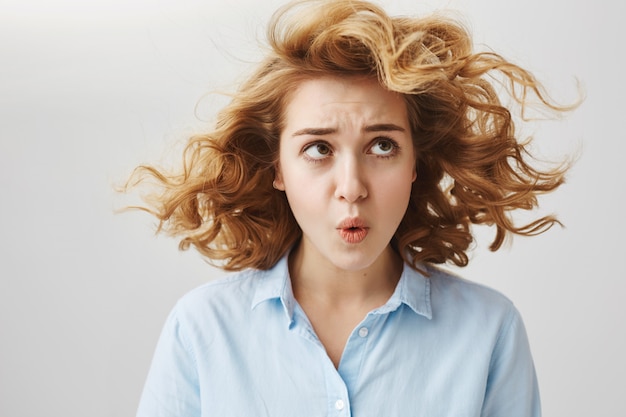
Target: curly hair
point(471, 168)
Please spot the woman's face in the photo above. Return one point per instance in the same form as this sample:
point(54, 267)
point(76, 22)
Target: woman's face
point(346, 164)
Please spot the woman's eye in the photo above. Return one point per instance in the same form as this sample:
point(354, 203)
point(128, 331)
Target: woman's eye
point(317, 151)
point(384, 147)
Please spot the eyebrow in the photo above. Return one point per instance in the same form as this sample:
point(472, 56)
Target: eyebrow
point(320, 131)
point(383, 127)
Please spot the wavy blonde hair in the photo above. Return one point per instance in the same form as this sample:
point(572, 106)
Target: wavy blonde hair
point(471, 169)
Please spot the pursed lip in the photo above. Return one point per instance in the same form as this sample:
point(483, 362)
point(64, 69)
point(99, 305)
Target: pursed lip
point(353, 230)
point(352, 223)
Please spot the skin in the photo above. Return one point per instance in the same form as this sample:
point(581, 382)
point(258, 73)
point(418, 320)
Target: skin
point(346, 159)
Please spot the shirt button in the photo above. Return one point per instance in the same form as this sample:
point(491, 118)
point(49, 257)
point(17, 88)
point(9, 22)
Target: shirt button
point(339, 405)
point(363, 332)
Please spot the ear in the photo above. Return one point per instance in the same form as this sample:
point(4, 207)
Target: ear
point(278, 179)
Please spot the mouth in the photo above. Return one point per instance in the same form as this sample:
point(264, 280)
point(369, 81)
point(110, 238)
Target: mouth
point(353, 230)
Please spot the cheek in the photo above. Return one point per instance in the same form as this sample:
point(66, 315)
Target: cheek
point(305, 194)
point(396, 191)
point(397, 181)
point(299, 187)
point(393, 192)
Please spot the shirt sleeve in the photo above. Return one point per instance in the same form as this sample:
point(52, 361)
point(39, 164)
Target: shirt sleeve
point(512, 388)
point(171, 388)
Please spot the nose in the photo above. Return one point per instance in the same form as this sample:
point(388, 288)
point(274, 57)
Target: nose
point(351, 184)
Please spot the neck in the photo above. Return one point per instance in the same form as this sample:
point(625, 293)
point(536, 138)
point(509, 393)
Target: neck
point(320, 282)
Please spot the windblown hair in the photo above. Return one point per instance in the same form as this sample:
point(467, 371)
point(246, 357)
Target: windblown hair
point(471, 168)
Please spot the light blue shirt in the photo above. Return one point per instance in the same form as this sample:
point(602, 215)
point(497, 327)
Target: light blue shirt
point(441, 346)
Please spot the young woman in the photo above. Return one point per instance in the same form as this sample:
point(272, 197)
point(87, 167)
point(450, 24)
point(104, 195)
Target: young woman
point(351, 162)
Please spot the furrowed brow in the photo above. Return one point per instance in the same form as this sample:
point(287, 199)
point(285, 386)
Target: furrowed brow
point(321, 131)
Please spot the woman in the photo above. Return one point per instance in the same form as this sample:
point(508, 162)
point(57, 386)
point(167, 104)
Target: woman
point(351, 162)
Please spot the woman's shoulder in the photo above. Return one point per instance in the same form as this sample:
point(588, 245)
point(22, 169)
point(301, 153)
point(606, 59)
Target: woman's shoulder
point(455, 292)
point(446, 280)
point(230, 292)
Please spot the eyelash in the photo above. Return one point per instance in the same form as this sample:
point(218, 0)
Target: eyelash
point(392, 153)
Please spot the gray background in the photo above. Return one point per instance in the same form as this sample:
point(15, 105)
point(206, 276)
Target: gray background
point(88, 90)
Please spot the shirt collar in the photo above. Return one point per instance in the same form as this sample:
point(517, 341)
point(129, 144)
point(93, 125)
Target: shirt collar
point(274, 283)
point(413, 289)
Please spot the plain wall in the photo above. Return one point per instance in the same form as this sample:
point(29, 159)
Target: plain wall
point(89, 90)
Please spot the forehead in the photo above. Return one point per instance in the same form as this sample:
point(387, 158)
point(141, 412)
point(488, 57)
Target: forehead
point(336, 100)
